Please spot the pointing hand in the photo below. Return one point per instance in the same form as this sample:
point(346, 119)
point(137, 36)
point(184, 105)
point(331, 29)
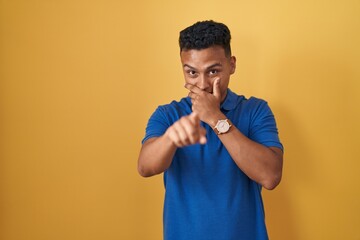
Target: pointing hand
point(187, 131)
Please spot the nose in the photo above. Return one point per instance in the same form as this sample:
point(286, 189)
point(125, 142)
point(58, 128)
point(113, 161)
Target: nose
point(203, 83)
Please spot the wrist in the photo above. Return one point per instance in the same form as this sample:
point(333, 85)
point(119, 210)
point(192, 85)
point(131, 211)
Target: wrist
point(168, 139)
point(215, 118)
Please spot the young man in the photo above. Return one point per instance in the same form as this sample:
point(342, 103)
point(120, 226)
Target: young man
point(217, 149)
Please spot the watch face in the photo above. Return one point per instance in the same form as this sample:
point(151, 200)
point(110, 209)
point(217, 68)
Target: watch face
point(223, 126)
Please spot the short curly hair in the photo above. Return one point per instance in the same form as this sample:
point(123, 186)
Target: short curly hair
point(205, 34)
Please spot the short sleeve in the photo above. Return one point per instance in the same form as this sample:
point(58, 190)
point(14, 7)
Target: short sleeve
point(157, 124)
point(263, 127)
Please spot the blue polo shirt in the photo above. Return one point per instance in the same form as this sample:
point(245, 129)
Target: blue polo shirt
point(207, 196)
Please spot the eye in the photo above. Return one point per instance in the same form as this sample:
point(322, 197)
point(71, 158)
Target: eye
point(213, 72)
point(192, 73)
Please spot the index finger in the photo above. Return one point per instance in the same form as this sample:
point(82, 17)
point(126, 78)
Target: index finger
point(192, 88)
point(194, 118)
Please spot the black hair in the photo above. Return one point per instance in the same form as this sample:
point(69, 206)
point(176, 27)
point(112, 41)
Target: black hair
point(205, 34)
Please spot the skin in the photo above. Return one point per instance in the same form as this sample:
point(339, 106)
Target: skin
point(207, 74)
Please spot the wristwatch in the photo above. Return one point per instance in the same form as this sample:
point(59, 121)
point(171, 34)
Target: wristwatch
point(222, 126)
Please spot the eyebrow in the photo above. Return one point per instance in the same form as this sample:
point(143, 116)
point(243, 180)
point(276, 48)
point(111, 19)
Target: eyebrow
point(211, 66)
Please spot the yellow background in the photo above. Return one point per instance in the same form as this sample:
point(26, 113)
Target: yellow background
point(79, 80)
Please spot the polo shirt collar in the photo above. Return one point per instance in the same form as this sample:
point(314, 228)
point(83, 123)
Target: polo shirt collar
point(230, 101)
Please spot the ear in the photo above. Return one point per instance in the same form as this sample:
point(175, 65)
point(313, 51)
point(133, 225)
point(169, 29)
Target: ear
point(232, 64)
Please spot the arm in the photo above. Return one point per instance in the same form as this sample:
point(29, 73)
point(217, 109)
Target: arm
point(157, 153)
point(260, 163)
point(155, 156)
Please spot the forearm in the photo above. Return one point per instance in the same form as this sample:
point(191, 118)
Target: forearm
point(155, 156)
point(260, 163)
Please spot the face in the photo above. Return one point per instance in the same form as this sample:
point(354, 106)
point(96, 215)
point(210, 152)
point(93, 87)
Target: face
point(202, 67)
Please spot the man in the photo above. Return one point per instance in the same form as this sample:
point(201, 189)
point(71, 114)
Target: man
point(217, 149)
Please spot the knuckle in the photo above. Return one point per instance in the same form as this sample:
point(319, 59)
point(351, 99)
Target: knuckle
point(193, 132)
point(176, 124)
point(183, 120)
